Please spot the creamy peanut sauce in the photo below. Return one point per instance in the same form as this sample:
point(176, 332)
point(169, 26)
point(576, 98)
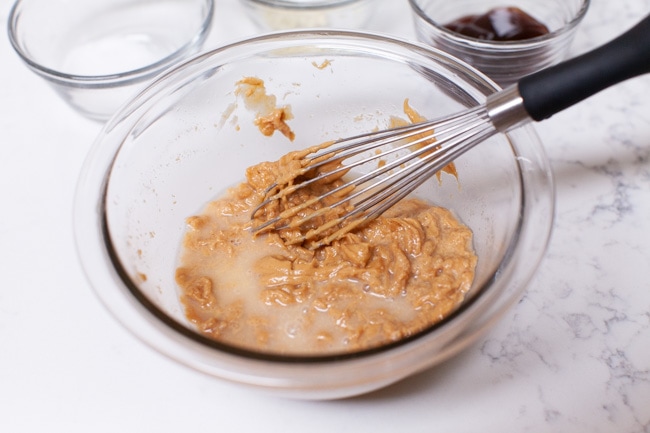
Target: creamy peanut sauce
point(269, 117)
point(384, 281)
point(322, 65)
point(415, 117)
point(272, 292)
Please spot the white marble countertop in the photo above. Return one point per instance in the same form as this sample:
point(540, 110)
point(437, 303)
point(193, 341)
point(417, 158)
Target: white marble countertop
point(572, 356)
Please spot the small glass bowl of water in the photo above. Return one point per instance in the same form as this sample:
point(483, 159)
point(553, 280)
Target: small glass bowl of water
point(96, 54)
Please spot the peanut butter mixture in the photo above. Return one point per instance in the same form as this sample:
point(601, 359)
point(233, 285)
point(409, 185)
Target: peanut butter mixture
point(270, 118)
point(415, 117)
point(383, 281)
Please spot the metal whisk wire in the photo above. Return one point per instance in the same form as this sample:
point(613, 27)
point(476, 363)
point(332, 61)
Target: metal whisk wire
point(422, 150)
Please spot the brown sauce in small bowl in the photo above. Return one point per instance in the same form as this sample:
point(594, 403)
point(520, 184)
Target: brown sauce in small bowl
point(499, 24)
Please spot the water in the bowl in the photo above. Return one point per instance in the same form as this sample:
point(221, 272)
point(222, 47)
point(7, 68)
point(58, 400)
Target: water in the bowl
point(123, 40)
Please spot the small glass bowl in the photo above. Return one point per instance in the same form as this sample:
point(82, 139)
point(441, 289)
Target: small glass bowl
point(503, 61)
point(187, 138)
point(270, 15)
point(97, 53)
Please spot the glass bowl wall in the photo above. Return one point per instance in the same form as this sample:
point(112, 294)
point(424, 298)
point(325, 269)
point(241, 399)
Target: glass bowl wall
point(188, 137)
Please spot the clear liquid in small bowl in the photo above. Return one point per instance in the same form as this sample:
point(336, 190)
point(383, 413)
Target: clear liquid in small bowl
point(124, 39)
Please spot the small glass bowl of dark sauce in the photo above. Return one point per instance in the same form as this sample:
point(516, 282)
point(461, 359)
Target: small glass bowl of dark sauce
point(505, 39)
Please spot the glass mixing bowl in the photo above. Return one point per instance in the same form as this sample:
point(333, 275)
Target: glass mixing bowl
point(187, 138)
point(97, 54)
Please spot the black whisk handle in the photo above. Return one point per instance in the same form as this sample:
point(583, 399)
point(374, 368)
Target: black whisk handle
point(551, 90)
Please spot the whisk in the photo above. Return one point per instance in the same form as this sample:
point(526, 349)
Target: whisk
point(425, 148)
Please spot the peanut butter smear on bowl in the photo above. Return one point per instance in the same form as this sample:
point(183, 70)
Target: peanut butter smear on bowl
point(383, 281)
point(270, 118)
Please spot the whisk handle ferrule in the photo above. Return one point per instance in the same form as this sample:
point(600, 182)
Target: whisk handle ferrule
point(506, 109)
point(553, 89)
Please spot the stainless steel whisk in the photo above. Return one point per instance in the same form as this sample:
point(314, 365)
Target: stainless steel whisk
point(433, 145)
